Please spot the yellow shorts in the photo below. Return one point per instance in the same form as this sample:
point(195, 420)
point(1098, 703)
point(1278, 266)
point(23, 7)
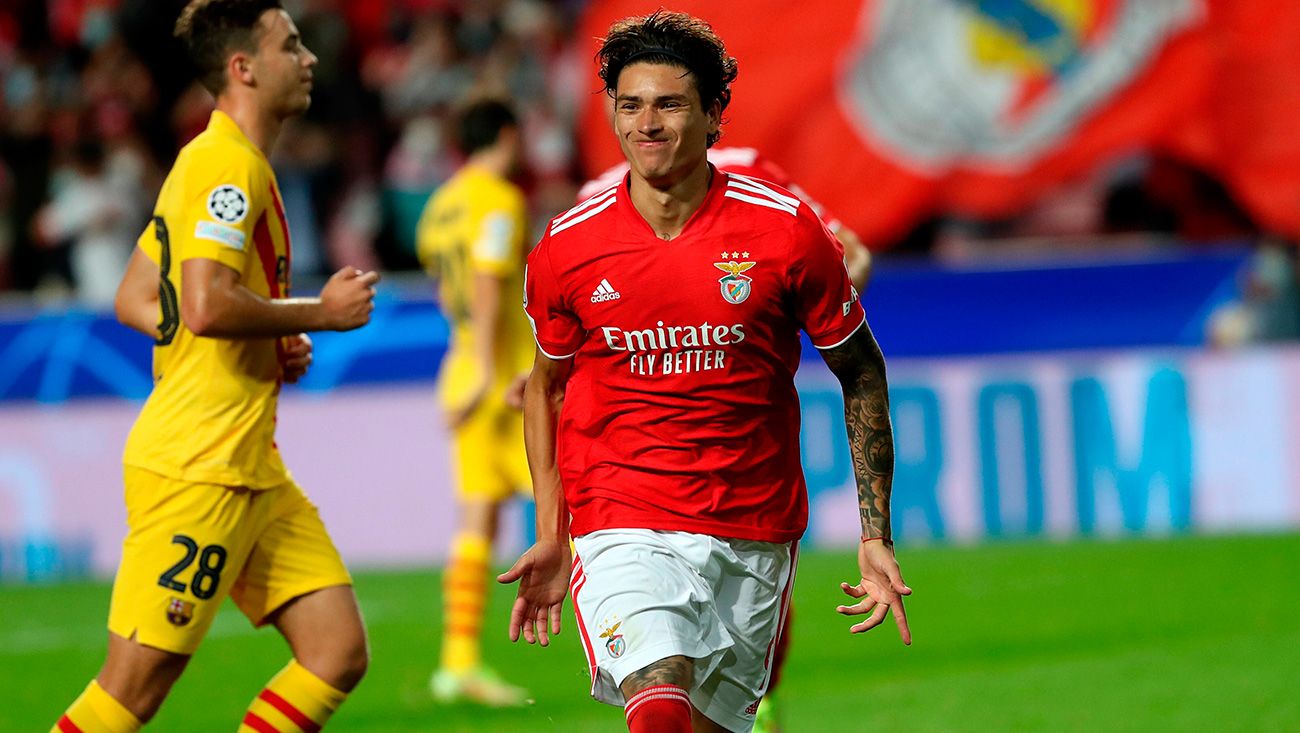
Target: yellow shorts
point(189, 545)
point(490, 455)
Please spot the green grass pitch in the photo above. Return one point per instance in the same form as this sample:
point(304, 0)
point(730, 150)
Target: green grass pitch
point(1188, 634)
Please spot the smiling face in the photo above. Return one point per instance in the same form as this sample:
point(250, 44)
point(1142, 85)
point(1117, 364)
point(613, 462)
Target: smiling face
point(661, 124)
point(282, 66)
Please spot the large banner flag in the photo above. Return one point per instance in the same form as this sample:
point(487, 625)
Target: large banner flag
point(889, 110)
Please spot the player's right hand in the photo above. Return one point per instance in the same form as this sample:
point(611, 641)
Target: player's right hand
point(543, 575)
point(348, 299)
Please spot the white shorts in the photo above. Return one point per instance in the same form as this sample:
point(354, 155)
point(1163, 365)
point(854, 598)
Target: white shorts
point(643, 595)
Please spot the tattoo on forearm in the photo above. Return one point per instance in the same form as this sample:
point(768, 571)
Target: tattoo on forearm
point(861, 369)
point(677, 671)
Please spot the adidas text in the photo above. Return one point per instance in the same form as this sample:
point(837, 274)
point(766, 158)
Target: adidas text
point(604, 292)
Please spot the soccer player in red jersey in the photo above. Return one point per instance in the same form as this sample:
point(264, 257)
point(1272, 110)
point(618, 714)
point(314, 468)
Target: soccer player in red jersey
point(857, 260)
point(661, 417)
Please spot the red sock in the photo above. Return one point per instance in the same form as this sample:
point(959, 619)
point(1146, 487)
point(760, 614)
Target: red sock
point(659, 709)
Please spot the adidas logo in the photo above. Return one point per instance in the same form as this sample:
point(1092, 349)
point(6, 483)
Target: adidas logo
point(604, 292)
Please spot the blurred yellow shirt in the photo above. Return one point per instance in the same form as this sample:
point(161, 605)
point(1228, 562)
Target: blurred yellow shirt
point(211, 415)
point(477, 223)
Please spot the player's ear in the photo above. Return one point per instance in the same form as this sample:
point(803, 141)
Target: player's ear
point(715, 116)
point(239, 68)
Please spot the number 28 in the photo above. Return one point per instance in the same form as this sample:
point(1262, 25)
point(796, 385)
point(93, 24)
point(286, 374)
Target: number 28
point(212, 559)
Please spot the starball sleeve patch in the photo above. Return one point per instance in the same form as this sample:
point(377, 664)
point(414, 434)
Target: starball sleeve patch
point(228, 203)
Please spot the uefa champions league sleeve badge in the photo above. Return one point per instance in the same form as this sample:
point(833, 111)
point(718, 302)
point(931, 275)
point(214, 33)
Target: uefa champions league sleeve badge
point(228, 204)
point(735, 287)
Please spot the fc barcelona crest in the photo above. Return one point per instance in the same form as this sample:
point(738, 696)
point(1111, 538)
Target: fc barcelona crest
point(179, 612)
point(735, 286)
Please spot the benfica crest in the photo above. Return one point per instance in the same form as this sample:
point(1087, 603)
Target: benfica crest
point(614, 643)
point(735, 286)
point(179, 612)
point(997, 85)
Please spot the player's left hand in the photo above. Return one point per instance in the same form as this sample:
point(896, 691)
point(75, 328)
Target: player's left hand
point(881, 589)
point(543, 575)
point(297, 357)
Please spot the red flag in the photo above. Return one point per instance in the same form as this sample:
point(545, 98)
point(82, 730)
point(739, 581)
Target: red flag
point(889, 110)
point(1246, 130)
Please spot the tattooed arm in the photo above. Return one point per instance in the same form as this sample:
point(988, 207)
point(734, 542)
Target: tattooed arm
point(860, 367)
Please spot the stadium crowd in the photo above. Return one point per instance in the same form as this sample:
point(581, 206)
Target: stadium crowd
point(97, 97)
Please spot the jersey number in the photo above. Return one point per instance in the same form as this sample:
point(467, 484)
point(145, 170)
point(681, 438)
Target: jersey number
point(167, 301)
point(206, 579)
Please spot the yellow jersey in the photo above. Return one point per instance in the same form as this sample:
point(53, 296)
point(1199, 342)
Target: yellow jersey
point(211, 415)
point(477, 223)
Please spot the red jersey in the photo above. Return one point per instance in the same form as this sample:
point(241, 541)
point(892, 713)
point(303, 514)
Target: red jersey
point(681, 412)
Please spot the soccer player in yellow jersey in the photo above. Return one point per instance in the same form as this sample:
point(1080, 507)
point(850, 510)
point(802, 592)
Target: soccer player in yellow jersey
point(471, 239)
point(211, 510)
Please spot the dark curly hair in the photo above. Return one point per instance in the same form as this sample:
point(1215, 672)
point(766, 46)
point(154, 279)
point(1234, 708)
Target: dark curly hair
point(213, 29)
point(676, 39)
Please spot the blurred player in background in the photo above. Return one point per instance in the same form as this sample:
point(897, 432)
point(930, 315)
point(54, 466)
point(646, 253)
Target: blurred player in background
point(211, 509)
point(472, 239)
point(661, 415)
point(749, 162)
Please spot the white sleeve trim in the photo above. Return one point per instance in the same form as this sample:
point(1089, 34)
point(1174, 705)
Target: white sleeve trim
point(551, 356)
point(540, 348)
point(846, 338)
